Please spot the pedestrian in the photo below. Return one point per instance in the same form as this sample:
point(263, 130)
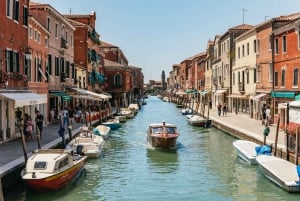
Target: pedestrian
point(29, 128)
point(219, 109)
point(39, 122)
point(52, 113)
point(268, 116)
point(224, 109)
point(264, 115)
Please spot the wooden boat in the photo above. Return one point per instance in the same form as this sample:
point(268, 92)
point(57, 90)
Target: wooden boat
point(197, 120)
point(112, 123)
point(282, 172)
point(103, 131)
point(246, 150)
point(134, 107)
point(87, 143)
point(162, 135)
point(52, 169)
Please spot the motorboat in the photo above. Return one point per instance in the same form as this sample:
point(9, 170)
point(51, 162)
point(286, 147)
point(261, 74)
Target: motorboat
point(162, 135)
point(166, 99)
point(52, 169)
point(128, 113)
point(186, 111)
point(112, 123)
point(87, 143)
point(134, 107)
point(122, 118)
point(103, 131)
point(282, 172)
point(246, 150)
point(197, 120)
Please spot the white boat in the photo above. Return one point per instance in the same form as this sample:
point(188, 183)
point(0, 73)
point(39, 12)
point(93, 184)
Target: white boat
point(103, 131)
point(52, 169)
point(166, 99)
point(122, 118)
point(282, 172)
point(197, 120)
point(186, 111)
point(134, 107)
point(129, 114)
point(87, 143)
point(246, 150)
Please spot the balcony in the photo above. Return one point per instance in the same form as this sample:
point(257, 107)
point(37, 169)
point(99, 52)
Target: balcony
point(64, 43)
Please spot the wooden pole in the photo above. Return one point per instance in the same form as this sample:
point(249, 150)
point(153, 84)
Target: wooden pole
point(1, 191)
point(297, 146)
point(38, 137)
point(23, 143)
point(276, 136)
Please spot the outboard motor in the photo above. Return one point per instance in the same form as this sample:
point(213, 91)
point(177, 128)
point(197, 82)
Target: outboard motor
point(79, 149)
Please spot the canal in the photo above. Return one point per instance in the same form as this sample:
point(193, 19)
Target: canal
point(204, 167)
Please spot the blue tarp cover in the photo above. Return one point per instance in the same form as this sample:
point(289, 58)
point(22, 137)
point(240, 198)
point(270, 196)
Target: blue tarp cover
point(265, 149)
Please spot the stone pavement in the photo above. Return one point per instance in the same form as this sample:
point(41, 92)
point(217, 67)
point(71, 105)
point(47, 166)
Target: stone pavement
point(248, 126)
point(12, 156)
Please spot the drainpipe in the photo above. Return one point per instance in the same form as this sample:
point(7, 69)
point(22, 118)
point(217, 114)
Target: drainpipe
point(272, 62)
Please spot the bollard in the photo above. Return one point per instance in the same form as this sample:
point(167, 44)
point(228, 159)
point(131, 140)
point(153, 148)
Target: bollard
point(266, 133)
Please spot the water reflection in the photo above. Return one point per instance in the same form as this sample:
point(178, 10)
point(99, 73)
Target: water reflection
point(165, 160)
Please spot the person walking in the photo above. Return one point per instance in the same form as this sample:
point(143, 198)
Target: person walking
point(39, 122)
point(264, 115)
point(268, 116)
point(224, 108)
point(219, 109)
point(29, 128)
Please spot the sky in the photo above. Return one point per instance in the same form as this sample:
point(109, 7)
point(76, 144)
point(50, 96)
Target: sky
point(155, 34)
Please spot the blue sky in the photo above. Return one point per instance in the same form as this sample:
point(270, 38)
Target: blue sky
point(155, 34)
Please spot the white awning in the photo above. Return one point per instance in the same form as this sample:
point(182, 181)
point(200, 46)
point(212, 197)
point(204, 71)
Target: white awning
point(23, 99)
point(220, 91)
point(257, 97)
point(86, 97)
point(93, 94)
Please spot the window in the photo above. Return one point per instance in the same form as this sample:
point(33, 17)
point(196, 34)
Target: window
point(258, 73)
point(40, 165)
point(57, 73)
point(118, 80)
point(239, 52)
point(56, 30)
point(9, 8)
point(258, 45)
point(16, 10)
point(25, 15)
point(276, 79)
point(243, 50)
point(283, 78)
point(46, 42)
point(254, 46)
point(254, 78)
point(271, 72)
point(39, 37)
point(295, 80)
point(12, 61)
point(48, 23)
point(35, 35)
point(30, 32)
point(248, 75)
point(270, 42)
point(284, 44)
point(276, 46)
point(27, 68)
point(248, 50)
point(71, 40)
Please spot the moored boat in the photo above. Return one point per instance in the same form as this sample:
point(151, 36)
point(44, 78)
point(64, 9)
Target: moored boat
point(197, 120)
point(112, 123)
point(87, 143)
point(129, 114)
point(282, 172)
point(103, 131)
point(246, 150)
point(162, 135)
point(52, 169)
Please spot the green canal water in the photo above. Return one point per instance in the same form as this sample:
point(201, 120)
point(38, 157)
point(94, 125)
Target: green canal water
point(204, 167)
